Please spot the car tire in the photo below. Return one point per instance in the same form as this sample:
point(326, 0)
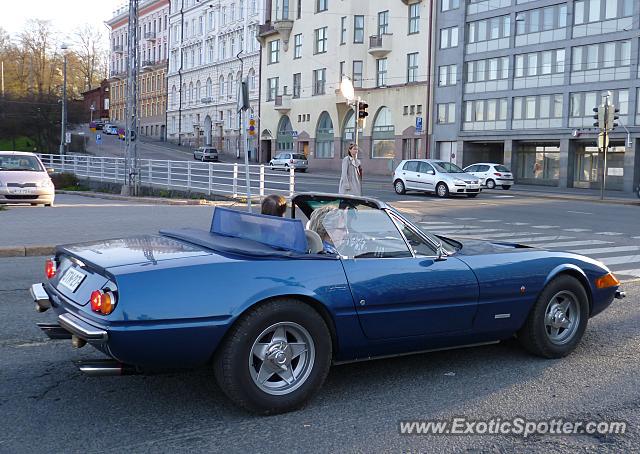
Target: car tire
point(506, 187)
point(195, 157)
point(239, 379)
point(490, 184)
point(398, 186)
point(471, 196)
point(442, 190)
point(541, 334)
point(203, 159)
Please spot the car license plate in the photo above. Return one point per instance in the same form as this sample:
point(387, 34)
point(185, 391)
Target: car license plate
point(21, 191)
point(473, 186)
point(72, 279)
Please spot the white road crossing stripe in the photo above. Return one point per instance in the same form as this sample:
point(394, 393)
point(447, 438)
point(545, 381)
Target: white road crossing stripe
point(539, 239)
point(504, 235)
point(609, 233)
point(605, 250)
point(436, 222)
point(565, 244)
point(544, 226)
point(576, 230)
point(490, 220)
point(469, 219)
point(518, 223)
point(504, 196)
point(634, 273)
point(636, 237)
point(620, 260)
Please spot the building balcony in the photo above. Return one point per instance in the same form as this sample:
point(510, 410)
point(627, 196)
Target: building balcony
point(207, 100)
point(150, 36)
point(282, 103)
point(380, 45)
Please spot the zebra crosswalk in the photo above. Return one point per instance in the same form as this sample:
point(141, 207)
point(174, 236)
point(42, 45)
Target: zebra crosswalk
point(616, 250)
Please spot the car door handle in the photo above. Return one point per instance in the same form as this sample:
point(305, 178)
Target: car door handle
point(418, 175)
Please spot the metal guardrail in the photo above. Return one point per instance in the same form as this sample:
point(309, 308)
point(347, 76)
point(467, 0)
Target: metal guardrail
point(193, 176)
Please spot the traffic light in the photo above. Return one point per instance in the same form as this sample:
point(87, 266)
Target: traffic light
point(612, 117)
point(599, 117)
point(362, 110)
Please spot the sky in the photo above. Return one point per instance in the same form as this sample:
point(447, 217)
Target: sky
point(65, 15)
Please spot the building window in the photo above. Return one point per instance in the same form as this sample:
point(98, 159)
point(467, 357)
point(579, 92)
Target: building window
point(343, 30)
point(319, 81)
point(274, 51)
point(324, 137)
point(357, 73)
point(321, 5)
point(358, 29)
point(543, 111)
point(297, 46)
point(381, 72)
point(297, 84)
point(446, 113)
point(383, 135)
point(485, 114)
point(321, 40)
point(489, 29)
point(588, 11)
point(383, 23)
point(448, 37)
point(538, 162)
point(581, 107)
point(447, 75)
point(446, 5)
point(601, 62)
point(272, 88)
point(412, 67)
point(414, 18)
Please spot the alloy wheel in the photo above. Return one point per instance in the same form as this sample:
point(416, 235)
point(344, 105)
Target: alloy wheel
point(562, 317)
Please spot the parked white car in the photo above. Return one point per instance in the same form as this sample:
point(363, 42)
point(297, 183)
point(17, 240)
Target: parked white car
point(205, 154)
point(491, 174)
point(110, 129)
point(286, 160)
point(24, 179)
point(433, 175)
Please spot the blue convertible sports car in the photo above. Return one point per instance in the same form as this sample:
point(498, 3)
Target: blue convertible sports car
point(272, 302)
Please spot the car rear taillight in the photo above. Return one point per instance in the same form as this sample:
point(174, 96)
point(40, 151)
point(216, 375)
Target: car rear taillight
point(497, 174)
point(103, 302)
point(50, 268)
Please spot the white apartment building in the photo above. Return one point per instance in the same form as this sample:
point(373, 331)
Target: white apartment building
point(383, 46)
point(206, 37)
point(153, 39)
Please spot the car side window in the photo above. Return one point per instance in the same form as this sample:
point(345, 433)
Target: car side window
point(484, 168)
point(473, 169)
point(425, 167)
point(411, 166)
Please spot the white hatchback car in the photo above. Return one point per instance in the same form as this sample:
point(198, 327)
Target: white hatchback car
point(433, 175)
point(286, 160)
point(491, 175)
point(23, 179)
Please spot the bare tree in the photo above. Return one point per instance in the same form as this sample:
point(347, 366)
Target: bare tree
point(89, 51)
point(37, 43)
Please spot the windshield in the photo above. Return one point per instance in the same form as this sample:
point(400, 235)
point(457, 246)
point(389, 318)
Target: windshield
point(502, 169)
point(20, 163)
point(299, 156)
point(448, 167)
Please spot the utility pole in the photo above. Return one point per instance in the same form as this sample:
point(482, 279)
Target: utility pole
point(244, 105)
point(131, 183)
point(63, 128)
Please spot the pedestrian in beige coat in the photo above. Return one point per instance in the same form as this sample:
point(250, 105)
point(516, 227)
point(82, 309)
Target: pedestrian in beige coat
point(351, 176)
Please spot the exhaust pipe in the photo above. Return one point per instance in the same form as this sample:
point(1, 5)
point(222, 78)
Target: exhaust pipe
point(54, 331)
point(105, 368)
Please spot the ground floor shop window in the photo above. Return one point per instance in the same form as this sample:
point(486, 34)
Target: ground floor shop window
point(538, 164)
point(284, 139)
point(383, 136)
point(588, 163)
point(324, 137)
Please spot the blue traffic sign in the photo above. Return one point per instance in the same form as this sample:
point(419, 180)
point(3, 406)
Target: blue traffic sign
point(98, 139)
point(418, 124)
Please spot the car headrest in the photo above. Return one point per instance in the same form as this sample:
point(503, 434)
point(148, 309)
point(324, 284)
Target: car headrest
point(314, 242)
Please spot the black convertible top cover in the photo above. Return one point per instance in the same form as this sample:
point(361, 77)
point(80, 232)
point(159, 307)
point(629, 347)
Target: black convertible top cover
point(238, 246)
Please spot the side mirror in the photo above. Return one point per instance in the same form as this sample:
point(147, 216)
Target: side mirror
point(431, 172)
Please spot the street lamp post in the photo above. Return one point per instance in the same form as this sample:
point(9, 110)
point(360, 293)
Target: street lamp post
point(91, 109)
point(63, 131)
point(347, 90)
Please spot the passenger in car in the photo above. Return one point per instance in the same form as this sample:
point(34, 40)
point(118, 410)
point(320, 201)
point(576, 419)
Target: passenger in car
point(329, 222)
point(274, 205)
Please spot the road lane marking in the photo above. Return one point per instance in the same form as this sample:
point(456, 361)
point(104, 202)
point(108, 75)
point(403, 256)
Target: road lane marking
point(490, 220)
point(634, 273)
point(576, 243)
point(471, 219)
point(509, 234)
point(578, 212)
point(620, 260)
point(517, 223)
point(576, 230)
point(436, 222)
point(605, 250)
point(609, 233)
point(544, 226)
point(542, 239)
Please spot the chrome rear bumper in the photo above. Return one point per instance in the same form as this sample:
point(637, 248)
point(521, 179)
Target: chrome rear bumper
point(82, 329)
point(40, 297)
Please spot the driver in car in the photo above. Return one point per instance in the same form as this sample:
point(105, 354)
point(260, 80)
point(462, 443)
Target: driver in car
point(330, 223)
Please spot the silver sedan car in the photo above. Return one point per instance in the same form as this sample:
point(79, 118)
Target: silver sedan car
point(433, 175)
point(23, 179)
point(286, 160)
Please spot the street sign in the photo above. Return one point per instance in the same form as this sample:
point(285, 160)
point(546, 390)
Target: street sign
point(603, 140)
point(98, 139)
point(67, 137)
point(418, 124)
point(252, 126)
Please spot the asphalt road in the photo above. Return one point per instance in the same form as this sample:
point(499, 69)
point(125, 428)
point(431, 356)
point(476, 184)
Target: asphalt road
point(46, 405)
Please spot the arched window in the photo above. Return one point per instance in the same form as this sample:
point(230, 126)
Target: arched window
point(221, 87)
point(183, 95)
point(209, 88)
point(198, 92)
point(174, 96)
point(230, 86)
point(324, 137)
point(284, 139)
point(238, 82)
point(252, 80)
point(383, 135)
point(190, 92)
point(348, 132)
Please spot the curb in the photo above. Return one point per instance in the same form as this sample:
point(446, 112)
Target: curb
point(576, 198)
point(153, 200)
point(26, 251)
